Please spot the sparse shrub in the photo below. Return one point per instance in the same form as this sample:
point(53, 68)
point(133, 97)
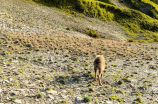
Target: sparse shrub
point(87, 99)
point(140, 100)
point(38, 78)
point(68, 28)
point(137, 93)
point(119, 91)
point(20, 70)
point(103, 93)
point(92, 33)
point(64, 101)
point(16, 83)
point(57, 85)
point(113, 97)
point(53, 71)
point(82, 92)
point(70, 92)
point(96, 102)
point(13, 98)
point(48, 88)
point(39, 95)
point(156, 39)
point(62, 81)
point(120, 99)
point(28, 52)
point(5, 52)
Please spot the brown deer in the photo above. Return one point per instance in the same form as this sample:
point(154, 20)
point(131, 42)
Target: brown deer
point(99, 64)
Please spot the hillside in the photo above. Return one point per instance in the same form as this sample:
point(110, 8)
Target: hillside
point(46, 57)
point(138, 18)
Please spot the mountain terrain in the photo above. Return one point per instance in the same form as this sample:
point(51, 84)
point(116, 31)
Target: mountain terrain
point(47, 49)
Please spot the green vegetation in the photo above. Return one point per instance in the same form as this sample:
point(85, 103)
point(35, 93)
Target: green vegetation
point(70, 92)
point(16, 83)
point(13, 98)
point(39, 95)
point(87, 99)
point(5, 52)
point(48, 88)
point(113, 97)
point(155, 1)
point(20, 70)
point(140, 5)
point(120, 99)
point(63, 102)
point(140, 100)
point(92, 33)
point(137, 25)
point(68, 28)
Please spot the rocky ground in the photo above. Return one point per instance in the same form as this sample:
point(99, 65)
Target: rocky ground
point(43, 63)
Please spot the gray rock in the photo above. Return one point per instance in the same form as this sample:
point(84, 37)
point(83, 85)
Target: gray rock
point(51, 97)
point(108, 102)
point(78, 99)
point(1, 90)
point(18, 101)
point(53, 92)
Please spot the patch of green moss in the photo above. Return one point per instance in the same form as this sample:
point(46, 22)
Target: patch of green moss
point(87, 99)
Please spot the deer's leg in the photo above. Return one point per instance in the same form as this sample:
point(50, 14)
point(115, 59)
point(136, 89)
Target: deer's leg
point(95, 69)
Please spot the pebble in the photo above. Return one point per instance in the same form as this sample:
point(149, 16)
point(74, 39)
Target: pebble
point(11, 79)
point(6, 81)
point(78, 99)
point(18, 101)
point(0, 90)
point(64, 91)
point(50, 96)
point(53, 92)
point(108, 102)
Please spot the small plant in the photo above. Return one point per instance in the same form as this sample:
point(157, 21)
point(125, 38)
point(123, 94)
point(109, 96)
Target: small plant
point(20, 70)
point(119, 91)
point(140, 100)
point(103, 93)
point(70, 92)
point(87, 99)
point(5, 52)
point(64, 101)
point(28, 52)
point(57, 85)
point(120, 99)
point(82, 92)
point(68, 28)
point(53, 71)
point(92, 33)
point(38, 78)
point(48, 88)
point(96, 102)
point(13, 98)
point(16, 83)
point(113, 97)
point(39, 95)
point(137, 93)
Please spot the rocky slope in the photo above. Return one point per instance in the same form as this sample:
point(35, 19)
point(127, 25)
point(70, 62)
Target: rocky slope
point(43, 63)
